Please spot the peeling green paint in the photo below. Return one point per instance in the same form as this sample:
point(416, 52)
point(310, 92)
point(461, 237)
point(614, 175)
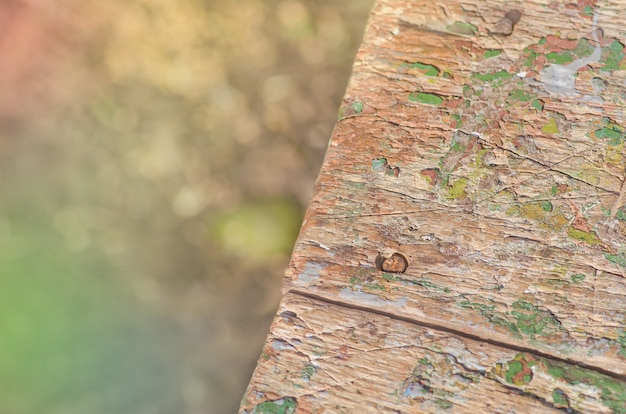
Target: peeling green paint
point(533, 321)
point(374, 286)
point(615, 57)
point(488, 312)
point(521, 95)
point(357, 107)
point(517, 371)
point(467, 91)
point(559, 58)
point(488, 77)
point(457, 189)
point(578, 278)
point(613, 132)
point(621, 340)
point(426, 98)
point(541, 212)
point(425, 69)
point(425, 361)
point(308, 372)
point(462, 28)
point(619, 259)
point(588, 237)
point(378, 164)
point(389, 277)
point(425, 283)
point(611, 391)
point(528, 319)
point(551, 127)
point(588, 10)
point(285, 405)
point(458, 119)
point(580, 382)
point(492, 53)
point(537, 104)
point(583, 48)
point(443, 403)
point(532, 57)
point(559, 398)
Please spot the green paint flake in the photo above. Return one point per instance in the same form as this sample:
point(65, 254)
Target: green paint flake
point(517, 371)
point(542, 41)
point(551, 127)
point(588, 10)
point(584, 236)
point(375, 286)
point(427, 284)
point(443, 403)
point(389, 277)
point(621, 340)
point(559, 58)
point(285, 405)
point(533, 321)
point(546, 206)
point(462, 28)
point(487, 311)
point(578, 278)
point(515, 367)
point(520, 95)
point(425, 361)
point(616, 54)
point(531, 59)
point(537, 104)
point(458, 119)
point(554, 190)
point(426, 98)
point(621, 214)
point(612, 392)
point(357, 107)
point(560, 398)
point(308, 372)
point(492, 53)
point(487, 77)
point(614, 133)
point(457, 189)
point(583, 48)
point(378, 164)
point(467, 91)
point(619, 259)
point(428, 70)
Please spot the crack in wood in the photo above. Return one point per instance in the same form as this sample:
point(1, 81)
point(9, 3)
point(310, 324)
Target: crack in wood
point(455, 331)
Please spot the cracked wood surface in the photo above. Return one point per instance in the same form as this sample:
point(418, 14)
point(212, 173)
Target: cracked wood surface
point(359, 361)
point(484, 147)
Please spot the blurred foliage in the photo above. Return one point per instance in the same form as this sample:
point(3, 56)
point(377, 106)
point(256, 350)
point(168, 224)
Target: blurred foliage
point(155, 160)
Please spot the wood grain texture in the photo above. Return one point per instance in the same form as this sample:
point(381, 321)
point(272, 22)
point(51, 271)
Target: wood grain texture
point(490, 154)
point(361, 362)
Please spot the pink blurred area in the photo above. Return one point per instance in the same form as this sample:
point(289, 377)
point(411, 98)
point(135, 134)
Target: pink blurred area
point(38, 41)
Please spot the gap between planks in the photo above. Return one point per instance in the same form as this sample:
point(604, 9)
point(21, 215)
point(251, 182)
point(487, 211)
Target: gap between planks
point(451, 330)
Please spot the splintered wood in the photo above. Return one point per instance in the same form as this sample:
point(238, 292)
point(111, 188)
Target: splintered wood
point(464, 249)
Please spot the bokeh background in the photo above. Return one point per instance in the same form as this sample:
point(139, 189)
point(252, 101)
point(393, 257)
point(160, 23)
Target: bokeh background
point(156, 158)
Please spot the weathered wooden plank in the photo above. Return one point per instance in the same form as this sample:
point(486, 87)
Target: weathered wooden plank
point(500, 182)
point(321, 357)
point(470, 213)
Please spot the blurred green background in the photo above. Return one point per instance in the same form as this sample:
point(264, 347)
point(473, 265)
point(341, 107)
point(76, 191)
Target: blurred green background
point(156, 157)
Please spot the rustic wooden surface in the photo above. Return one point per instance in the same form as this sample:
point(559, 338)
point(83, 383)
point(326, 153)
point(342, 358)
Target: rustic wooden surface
point(483, 142)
